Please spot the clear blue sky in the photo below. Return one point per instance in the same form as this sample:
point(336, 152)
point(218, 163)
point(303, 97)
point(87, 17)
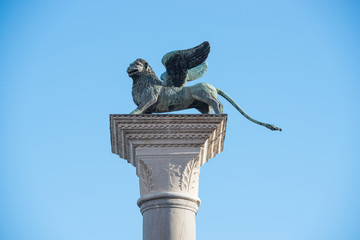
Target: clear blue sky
point(292, 63)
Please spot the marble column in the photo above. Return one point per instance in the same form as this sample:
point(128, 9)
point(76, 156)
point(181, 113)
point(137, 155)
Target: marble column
point(168, 151)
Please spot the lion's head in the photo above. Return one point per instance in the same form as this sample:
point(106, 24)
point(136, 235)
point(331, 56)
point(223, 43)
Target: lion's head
point(138, 67)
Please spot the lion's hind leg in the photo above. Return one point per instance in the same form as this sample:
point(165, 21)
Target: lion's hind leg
point(206, 93)
point(204, 109)
point(211, 101)
point(216, 105)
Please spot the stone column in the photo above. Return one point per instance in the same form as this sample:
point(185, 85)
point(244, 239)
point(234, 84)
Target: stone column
point(167, 151)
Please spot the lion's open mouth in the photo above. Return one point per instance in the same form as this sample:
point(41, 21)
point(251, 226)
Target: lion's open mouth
point(132, 71)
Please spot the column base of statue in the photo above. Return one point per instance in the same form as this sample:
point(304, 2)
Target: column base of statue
point(167, 151)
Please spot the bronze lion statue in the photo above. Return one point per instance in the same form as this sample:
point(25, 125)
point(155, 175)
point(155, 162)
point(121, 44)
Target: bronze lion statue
point(152, 95)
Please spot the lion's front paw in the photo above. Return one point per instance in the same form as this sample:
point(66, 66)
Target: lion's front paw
point(136, 111)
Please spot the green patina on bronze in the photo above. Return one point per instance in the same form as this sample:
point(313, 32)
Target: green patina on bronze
point(152, 95)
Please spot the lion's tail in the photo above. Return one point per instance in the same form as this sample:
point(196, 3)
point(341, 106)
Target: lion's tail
point(227, 97)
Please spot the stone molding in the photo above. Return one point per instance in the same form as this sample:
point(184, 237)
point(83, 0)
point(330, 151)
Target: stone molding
point(168, 195)
point(129, 132)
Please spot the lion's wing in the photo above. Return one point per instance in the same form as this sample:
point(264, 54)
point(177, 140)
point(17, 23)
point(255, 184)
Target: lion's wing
point(193, 73)
point(180, 63)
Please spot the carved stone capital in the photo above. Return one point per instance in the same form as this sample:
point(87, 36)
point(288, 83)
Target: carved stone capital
point(168, 169)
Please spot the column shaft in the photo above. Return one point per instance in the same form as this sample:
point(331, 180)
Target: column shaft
point(169, 219)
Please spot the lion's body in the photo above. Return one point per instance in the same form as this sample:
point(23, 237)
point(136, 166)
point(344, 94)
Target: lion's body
point(151, 96)
point(201, 96)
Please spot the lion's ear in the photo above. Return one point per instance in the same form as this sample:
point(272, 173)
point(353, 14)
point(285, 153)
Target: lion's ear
point(146, 65)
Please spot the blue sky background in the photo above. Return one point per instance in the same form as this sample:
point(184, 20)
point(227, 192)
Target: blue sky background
point(292, 63)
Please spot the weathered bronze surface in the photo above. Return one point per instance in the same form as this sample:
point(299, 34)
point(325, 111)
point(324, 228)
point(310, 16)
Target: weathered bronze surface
point(152, 95)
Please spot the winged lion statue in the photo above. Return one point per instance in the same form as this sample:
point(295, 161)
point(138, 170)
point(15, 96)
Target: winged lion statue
point(153, 95)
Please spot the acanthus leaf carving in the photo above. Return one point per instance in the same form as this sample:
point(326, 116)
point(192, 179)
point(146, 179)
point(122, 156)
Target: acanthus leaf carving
point(146, 176)
point(190, 175)
point(174, 171)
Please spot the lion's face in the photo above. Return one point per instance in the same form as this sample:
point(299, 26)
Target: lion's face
point(137, 67)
